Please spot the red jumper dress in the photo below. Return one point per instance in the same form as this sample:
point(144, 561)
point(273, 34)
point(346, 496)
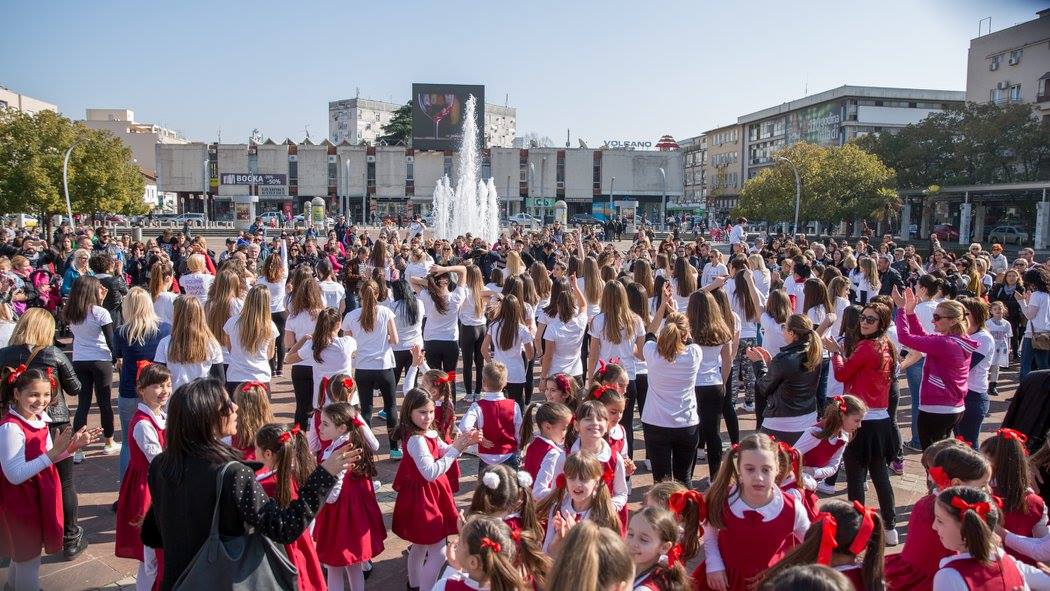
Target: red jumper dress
point(915, 566)
point(534, 454)
point(31, 515)
point(301, 552)
point(998, 575)
point(444, 417)
point(134, 499)
point(1022, 522)
point(350, 530)
point(855, 574)
point(424, 512)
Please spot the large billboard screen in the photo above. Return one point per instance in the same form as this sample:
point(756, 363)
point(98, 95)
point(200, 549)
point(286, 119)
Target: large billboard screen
point(438, 113)
point(818, 124)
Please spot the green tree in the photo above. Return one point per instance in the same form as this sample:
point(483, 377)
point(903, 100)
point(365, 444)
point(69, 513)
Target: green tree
point(399, 129)
point(103, 176)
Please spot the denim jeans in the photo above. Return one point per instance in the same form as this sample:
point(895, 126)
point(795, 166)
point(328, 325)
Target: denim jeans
point(969, 425)
point(126, 408)
point(1031, 359)
point(914, 377)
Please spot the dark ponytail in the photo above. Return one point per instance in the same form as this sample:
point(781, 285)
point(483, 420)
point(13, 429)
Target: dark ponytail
point(294, 460)
point(327, 323)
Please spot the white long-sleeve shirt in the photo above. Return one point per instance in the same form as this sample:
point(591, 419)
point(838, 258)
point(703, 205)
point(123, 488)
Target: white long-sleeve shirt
point(429, 467)
point(146, 436)
point(809, 441)
point(370, 440)
point(475, 419)
point(619, 491)
point(13, 450)
point(551, 465)
point(566, 507)
point(769, 511)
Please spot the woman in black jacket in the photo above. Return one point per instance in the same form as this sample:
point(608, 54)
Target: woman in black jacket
point(790, 384)
point(35, 333)
point(182, 483)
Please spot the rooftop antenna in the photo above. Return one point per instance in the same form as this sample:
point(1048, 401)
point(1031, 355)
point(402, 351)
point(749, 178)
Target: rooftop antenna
point(980, 25)
point(357, 92)
point(506, 100)
point(306, 129)
point(567, 138)
point(220, 134)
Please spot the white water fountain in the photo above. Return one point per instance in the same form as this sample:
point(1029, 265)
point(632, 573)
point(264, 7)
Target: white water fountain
point(473, 206)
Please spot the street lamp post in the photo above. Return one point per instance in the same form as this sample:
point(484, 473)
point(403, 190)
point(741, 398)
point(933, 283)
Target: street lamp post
point(508, 196)
point(612, 191)
point(543, 204)
point(364, 199)
point(798, 190)
point(65, 182)
point(346, 193)
point(663, 199)
point(528, 193)
point(204, 193)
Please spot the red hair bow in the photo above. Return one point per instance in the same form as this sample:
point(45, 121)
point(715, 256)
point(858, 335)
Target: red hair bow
point(601, 366)
point(491, 544)
point(54, 382)
point(247, 387)
point(16, 372)
point(841, 402)
point(674, 555)
point(559, 482)
point(599, 391)
point(357, 421)
point(563, 382)
point(285, 437)
point(828, 530)
point(140, 365)
point(448, 378)
point(678, 501)
point(982, 508)
point(515, 534)
point(348, 383)
point(796, 460)
point(1012, 434)
point(867, 526)
point(940, 477)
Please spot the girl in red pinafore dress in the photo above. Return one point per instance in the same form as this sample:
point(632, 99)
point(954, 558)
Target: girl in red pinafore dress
point(337, 388)
point(506, 494)
point(349, 529)
point(253, 411)
point(797, 484)
point(425, 512)
point(1024, 512)
point(287, 461)
point(659, 561)
point(581, 492)
point(438, 384)
point(823, 445)
point(838, 538)
point(966, 519)
point(545, 453)
point(30, 492)
point(592, 422)
point(616, 381)
point(483, 558)
point(751, 523)
point(146, 437)
point(956, 464)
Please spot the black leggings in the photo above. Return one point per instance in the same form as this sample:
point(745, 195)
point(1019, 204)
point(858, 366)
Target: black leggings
point(70, 504)
point(516, 392)
point(443, 355)
point(277, 362)
point(933, 426)
point(303, 385)
point(627, 420)
point(402, 361)
point(711, 400)
point(641, 388)
point(671, 451)
point(858, 469)
point(470, 339)
point(368, 380)
point(96, 377)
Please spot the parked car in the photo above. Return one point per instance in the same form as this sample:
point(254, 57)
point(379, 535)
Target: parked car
point(1008, 235)
point(584, 219)
point(272, 218)
point(195, 219)
point(945, 232)
point(524, 219)
point(299, 220)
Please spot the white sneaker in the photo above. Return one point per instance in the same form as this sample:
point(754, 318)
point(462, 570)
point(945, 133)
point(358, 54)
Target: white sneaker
point(749, 406)
point(892, 539)
point(375, 486)
point(78, 457)
point(701, 453)
point(825, 489)
point(112, 449)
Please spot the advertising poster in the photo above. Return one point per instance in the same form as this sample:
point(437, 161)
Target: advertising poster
point(438, 112)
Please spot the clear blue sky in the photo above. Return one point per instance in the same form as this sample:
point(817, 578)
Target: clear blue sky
point(607, 69)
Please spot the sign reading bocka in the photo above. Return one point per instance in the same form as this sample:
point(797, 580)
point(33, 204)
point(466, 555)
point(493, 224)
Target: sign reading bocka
point(247, 178)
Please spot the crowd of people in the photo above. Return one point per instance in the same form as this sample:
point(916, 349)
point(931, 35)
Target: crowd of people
point(565, 364)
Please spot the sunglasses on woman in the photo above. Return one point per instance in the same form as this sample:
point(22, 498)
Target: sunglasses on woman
point(937, 317)
point(866, 319)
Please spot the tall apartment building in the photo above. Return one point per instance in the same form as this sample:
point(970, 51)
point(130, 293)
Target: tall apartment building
point(142, 138)
point(694, 159)
point(834, 117)
point(10, 99)
point(358, 121)
point(1012, 65)
point(723, 171)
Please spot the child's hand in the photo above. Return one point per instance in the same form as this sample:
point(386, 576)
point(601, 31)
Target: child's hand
point(450, 552)
point(718, 581)
point(338, 462)
point(486, 442)
point(629, 466)
point(417, 355)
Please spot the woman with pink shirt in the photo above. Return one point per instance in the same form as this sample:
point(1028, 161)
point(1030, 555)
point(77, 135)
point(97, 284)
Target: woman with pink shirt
point(944, 374)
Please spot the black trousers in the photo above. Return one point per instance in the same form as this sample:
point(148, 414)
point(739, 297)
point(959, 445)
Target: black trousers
point(516, 392)
point(443, 355)
point(402, 361)
point(70, 504)
point(858, 468)
point(671, 451)
point(627, 420)
point(933, 427)
point(368, 381)
point(303, 386)
point(96, 379)
point(711, 400)
point(641, 388)
point(470, 339)
point(277, 363)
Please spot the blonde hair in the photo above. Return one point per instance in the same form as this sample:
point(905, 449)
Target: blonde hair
point(190, 336)
point(619, 319)
point(592, 281)
point(140, 320)
point(515, 266)
point(254, 324)
point(956, 311)
point(195, 263)
point(36, 328)
point(224, 290)
point(671, 342)
point(591, 557)
point(585, 466)
point(159, 274)
point(870, 272)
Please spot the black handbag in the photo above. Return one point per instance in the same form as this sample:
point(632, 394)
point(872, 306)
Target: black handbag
point(243, 563)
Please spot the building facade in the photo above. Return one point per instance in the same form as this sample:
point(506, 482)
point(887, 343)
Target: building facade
point(834, 117)
point(361, 121)
point(1012, 65)
point(237, 181)
point(724, 171)
point(694, 177)
point(140, 137)
point(10, 99)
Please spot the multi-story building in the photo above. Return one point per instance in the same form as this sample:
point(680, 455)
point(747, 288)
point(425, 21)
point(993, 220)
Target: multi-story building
point(10, 99)
point(142, 138)
point(723, 171)
point(834, 117)
point(694, 159)
point(1012, 65)
point(246, 179)
point(361, 121)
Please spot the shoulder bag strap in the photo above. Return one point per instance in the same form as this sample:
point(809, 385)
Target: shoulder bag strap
point(218, 497)
point(33, 353)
